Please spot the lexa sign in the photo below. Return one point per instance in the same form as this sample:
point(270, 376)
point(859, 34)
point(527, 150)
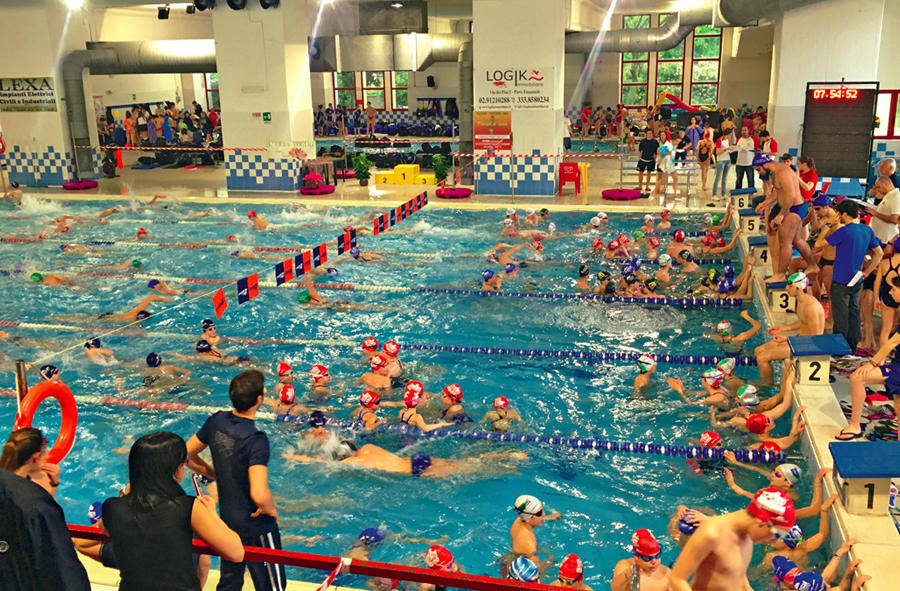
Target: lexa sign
point(27, 94)
point(512, 89)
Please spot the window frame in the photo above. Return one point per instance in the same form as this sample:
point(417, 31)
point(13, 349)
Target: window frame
point(893, 120)
point(208, 91)
point(390, 76)
point(623, 61)
point(382, 88)
point(694, 60)
point(335, 88)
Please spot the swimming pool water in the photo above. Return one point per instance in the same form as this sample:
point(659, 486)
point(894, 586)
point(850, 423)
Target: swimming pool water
point(603, 497)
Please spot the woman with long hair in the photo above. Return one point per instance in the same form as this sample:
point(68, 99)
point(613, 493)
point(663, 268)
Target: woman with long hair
point(152, 526)
point(129, 130)
point(808, 176)
point(25, 454)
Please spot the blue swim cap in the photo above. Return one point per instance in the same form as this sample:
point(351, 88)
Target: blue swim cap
point(143, 314)
point(235, 253)
point(628, 269)
point(354, 252)
point(821, 200)
point(761, 159)
point(522, 569)
point(95, 512)
point(636, 263)
point(686, 527)
point(509, 267)
point(317, 419)
point(92, 344)
point(207, 323)
point(723, 286)
point(152, 283)
point(48, 371)
point(331, 271)
point(154, 359)
point(809, 581)
point(203, 346)
point(372, 535)
point(732, 284)
point(782, 565)
point(63, 246)
point(729, 271)
point(793, 537)
point(487, 274)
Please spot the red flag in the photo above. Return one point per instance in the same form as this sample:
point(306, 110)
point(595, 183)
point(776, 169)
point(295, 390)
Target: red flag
point(248, 288)
point(302, 263)
point(320, 255)
point(220, 304)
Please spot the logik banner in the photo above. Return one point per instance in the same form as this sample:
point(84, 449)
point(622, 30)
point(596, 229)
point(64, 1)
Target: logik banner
point(512, 89)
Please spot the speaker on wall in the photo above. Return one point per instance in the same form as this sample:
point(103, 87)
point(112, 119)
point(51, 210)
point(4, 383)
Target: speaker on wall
point(432, 83)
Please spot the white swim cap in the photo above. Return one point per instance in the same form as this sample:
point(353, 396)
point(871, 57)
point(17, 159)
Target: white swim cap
point(529, 211)
point(528, 506)
point(648, 218)
point(551, 228)
point(511, 211)
point(645, 363)
point(602, 215)
point(595, 221)
point(664, 260)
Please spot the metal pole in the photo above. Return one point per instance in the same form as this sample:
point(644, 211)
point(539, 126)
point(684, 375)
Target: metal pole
point(21, 381)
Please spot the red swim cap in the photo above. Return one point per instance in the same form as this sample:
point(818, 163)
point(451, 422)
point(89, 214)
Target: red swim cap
point(721, 242)
point(231, 238)
point(318, 371)
point(596, 243)
point(757, 423)
point(773, 506)
point(251, 214)
point(613, 245)
point(710, 439)
point(770, 446)
point(654, 241)
point(571, 568)
point(453, 392)
point(438, 558)
point(622, 238)
point(666, 213)
point(370, 344)
point(414, 386)
point(706, 240)
point(501, 402)
point(142, 231)
point(369, 398)
point(288, 394)
point(377, 361)
point(391, 348)
point(411, 398)
point(644, 543)
point(284, 369)
point(679, 236)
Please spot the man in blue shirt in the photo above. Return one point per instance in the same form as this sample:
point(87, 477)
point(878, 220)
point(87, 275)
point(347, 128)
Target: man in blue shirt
point(852, 242)
point(240, 454)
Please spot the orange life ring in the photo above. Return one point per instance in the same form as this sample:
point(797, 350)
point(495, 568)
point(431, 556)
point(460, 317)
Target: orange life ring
point(63, 395)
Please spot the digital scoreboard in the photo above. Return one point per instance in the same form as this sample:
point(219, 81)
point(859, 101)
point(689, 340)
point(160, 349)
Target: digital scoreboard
point(838, 125)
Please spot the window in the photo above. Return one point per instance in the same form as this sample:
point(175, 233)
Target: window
point(705, 66)
point(399, 91)
point(887, 109)
point(635, 66)
point(373, 89)
point(211, 82)
point(670, 67)
point(345, 89)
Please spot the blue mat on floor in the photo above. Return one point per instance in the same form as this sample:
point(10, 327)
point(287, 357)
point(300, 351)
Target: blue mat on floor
point(145, 166)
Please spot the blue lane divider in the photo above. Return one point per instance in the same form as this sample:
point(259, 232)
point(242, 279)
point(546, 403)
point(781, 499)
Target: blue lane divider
point(590, 355)
point(661, 449)
point(656, 261)
point(666, 301)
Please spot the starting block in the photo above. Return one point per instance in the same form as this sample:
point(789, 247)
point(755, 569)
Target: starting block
point(384, 178)
point(779, 297)
point(405, 174)
point(813, 355)
point(862, 474)
point(759, 247)
point(751, 222)
point(742, 198)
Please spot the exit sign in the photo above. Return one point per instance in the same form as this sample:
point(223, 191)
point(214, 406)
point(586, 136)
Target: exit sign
point(267, 117)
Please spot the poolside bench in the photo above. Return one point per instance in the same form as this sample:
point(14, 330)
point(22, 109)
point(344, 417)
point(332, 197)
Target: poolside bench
point(751, 222)
point(759, 248)
point(813, 355)
point(862, 474)
point(742, 198)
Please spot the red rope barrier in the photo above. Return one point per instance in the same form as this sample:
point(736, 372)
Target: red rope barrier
point(365, 568)
point(566, 155)
point(157, 148)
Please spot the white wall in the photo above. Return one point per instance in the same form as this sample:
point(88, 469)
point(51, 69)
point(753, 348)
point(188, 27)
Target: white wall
point(889, 62)
point(140, 23)
point(128, 89)
point(746, 67)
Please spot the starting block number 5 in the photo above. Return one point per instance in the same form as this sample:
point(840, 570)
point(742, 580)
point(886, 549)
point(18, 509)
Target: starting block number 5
point(752, 224)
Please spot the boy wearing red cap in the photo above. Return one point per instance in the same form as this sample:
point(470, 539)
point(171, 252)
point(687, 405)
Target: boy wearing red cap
point(439, 559)
point(378, 378)
point(259, 221)
point(285, 373)
point(761, 425)
point(644, 571)
point(571, 574)
point(716, 556)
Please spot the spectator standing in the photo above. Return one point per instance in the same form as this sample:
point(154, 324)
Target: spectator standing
point(38, 553)
point(152, 526)
point(648, 149)
point(585, 120)
point(724, 147)
point(745, 144)
point(240, 454)
point(852, 242)
point(885, 217)
point(768, 144)
point(567, 132)
point(693, 132)
point(808, 177)
point(704, 158)
point(886, 167)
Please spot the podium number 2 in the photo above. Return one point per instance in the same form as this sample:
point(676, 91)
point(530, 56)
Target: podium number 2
point(814, 375)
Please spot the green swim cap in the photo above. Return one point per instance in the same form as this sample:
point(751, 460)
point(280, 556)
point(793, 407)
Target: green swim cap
point(716, 219)
point(637, 234)
point(37, 277)
point(304, 297)
point(135, 263)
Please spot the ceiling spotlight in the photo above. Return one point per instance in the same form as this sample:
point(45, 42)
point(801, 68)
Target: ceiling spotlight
point(73, 4)
point(163, 12)
point(191, 9)
point(236, 4)
point(269, 3)
point(397, 5)
point(204, 4)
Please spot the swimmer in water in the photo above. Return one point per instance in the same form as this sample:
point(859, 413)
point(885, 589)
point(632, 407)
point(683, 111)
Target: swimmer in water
point(784, 477)
point(649, 221)
point(79, 250)
point(14, 194)
point(510, 270)
point(259, 221)
point(158, 377)
point(210, 335)
point(440, 560)
point(379, 378)
point(366, 256)
point(502, 416)
point(665, 222)
point(604, 284)
point(584, 279)
point(369, 347)
point(719, 223)
point(139, 312)
point(141, 234)
point(653, 248)
point(319, 390)
point(204, 351)
point(364, 415)
point(644, 571)
point(378, 458)
point(678, 244)
point(286, 403)
point(531, 514)
point(639, 238)
point(245, 254)
point(97, 354)
point(312, 297)
point(686, 260)
point(53, 280)
point(616, 250)
point(571, 574)
point(512, 216)
point(507, 251)
point(395, 367)
point(161, 287)
point(451, 398)
point(512, 231)
point(727, 367)
point(597, 247)
point(730, 342)
point(713, 392)
point(761, 425)
point(646, 365)
point(491, 281)
point(412, 396)
point(531, 218)
point(544, 214)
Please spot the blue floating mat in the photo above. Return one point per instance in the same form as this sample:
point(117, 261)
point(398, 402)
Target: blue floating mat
point(145, 166)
